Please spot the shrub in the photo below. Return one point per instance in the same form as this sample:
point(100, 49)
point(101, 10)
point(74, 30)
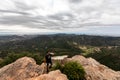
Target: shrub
point(73, 70)
point(57, 66)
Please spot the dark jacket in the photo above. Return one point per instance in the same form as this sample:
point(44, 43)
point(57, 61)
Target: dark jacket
point(48, 58)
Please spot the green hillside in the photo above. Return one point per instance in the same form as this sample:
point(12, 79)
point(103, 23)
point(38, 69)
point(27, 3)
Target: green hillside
point(108, 56)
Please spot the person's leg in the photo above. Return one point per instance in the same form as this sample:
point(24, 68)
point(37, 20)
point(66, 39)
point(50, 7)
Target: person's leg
point(50, 65)
point(47, 67)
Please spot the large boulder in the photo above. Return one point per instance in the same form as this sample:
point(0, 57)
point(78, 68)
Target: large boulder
point(21, 69)
point(94, 70)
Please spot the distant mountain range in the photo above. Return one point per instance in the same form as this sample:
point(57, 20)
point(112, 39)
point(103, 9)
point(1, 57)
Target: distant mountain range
point(11, 38)
point(56, 41)
point(80, 39)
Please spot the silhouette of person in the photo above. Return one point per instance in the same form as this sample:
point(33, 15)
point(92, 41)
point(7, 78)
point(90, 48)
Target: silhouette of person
point(48, 61)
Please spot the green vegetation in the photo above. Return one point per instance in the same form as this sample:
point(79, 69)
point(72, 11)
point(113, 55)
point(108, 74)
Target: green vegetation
point(13, 57)
point(89, 49)
point(73, 70)
point(56, 43)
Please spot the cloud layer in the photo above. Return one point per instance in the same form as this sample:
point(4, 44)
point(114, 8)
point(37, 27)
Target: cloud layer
point(59, 15)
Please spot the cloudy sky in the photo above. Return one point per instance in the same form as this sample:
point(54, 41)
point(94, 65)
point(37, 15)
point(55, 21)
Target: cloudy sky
point(101, 17)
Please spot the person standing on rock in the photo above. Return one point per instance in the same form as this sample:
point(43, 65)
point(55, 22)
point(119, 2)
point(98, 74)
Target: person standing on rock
point(48, 60)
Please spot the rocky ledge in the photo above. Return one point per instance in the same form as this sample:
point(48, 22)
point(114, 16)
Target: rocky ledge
point(26, 69)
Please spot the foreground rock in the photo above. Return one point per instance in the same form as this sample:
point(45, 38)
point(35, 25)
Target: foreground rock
point(95, 70)
point(26, 69)
point(20, 70)
point(53, 75)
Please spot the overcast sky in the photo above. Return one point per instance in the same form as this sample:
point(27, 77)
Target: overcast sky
point(101, 17)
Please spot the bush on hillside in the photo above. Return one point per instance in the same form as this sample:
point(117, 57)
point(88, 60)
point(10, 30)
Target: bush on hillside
point(73, 70)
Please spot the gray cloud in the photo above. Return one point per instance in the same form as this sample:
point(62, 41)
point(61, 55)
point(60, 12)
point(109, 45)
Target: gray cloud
point(13, 11)
point(79, 15)
point(16, 20)
point(75, 1)
point(23, 6)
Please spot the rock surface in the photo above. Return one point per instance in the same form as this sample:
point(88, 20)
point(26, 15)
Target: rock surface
point(20, 70)
point(53, 75)
point(94, 70)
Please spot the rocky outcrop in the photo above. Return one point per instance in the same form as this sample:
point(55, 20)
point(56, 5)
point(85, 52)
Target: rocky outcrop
point(20, 70)
point(26, 69)
point(94, 70)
